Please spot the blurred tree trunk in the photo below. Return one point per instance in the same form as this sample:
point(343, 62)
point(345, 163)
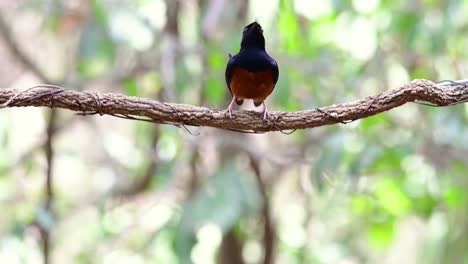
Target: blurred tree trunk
point(230, 251)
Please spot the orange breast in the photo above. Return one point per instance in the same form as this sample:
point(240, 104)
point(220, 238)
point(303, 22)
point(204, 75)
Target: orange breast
point(251, 85)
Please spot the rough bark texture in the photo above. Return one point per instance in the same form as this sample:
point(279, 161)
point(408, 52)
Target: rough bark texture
point(181, 114)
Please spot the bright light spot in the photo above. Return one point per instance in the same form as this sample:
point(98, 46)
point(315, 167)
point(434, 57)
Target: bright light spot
point(383, 20)
point(405, 115)
point(209, 238)
point(400, 135)
point(9, 251)
point(420, 176)
point(312, 9)
point(194, 64)
point(264, 11)
point(167, 148)
point(189, 25)
point(357, 36)
point(293, 236)
point(443, 68)
point(330, 253)
point(75, 173)
point(365, 6)
point(16, 251)
point(154, 12)
point(25, 130)
point(121, 149)
point(291, 230)
point(434, 20)
point(437, 226)
point(370, 86)
point(129, 28)
point(200, 255)
point(210, 234)
point(123, 257)
point(252, 252)
point(118, 219)
point(5, 190)
point(97, 65)
point(103, 179)
point(354, 144)
point(397, 75)
point(156, 217)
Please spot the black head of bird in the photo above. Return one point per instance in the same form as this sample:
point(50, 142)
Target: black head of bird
point(252, 36)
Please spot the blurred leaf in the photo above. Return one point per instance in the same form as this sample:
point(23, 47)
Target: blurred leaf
point(23, 212)
point(407, 23)
point(391, 197)
point(369, 124)
point(216, 59)
point(99, 11)
point(424, 205)
point(361, 204)
point(388, 158)
point(96, 47)
point(420, 72)
point(455, 197)
point(222, 200)
point(150, 84)
point(289, 28)
point(215, 89)
point(381, 233)
point(183, 79)
point(329, 157)
point(131, 86)
point(162, 249)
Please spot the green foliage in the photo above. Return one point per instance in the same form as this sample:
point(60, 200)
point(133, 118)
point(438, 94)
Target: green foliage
point(96, 50)
point(131, 86)
point(222, 200)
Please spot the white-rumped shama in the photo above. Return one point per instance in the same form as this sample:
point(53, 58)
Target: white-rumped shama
point(251, 73)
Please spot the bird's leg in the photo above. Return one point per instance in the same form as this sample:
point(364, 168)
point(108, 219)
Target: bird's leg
point(229, 109)
point(265, 111)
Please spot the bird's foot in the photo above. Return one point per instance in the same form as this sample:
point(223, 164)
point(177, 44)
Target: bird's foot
point(229, 112)
point(266, 114)
point(229, 109)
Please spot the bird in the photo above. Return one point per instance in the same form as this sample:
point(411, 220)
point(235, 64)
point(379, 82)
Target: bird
point(251, 73)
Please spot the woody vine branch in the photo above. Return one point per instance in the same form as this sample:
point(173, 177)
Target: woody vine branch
point(420, 90)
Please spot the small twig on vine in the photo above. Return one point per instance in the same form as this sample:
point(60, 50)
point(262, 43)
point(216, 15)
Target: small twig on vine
point(426, 104)
point(287, 133)
point(282, 131)
point(332, 116)
point(38, 96)
point(95, 97)
point(361, 115)
point(451, 82)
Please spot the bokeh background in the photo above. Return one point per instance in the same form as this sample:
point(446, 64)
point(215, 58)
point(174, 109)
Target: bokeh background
point(386, 189)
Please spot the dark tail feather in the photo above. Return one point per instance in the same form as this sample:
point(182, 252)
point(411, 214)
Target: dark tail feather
point(239, 101)
point(257, 103)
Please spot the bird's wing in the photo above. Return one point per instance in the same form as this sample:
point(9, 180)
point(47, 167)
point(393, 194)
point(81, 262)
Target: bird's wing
point(232, 63)
point(275, 68)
